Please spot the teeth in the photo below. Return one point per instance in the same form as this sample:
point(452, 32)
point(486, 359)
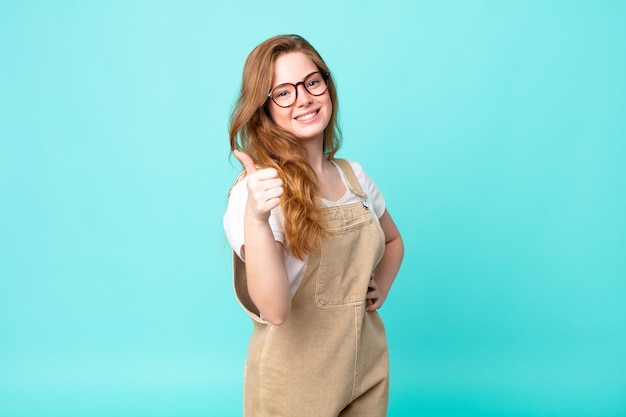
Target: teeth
point(306, 117)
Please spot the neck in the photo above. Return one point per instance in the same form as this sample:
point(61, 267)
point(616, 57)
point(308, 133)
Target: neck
point(316, 155)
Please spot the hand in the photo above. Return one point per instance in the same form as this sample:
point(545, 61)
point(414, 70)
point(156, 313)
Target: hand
point(264, 188)
point(375, 297)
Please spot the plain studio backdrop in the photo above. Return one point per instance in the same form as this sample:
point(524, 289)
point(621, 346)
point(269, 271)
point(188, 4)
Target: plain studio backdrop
point(495, 129)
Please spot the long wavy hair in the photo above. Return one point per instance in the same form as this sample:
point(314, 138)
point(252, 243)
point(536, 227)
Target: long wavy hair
point(253, 131)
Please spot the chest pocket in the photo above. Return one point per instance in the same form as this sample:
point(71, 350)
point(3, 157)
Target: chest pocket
point(350, 252)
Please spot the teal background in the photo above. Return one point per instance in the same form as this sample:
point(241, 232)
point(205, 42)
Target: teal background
point(494, 128)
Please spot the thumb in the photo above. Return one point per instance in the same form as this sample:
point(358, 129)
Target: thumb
point(247, 162)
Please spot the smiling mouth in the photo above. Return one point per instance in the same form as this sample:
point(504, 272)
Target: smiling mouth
point(307, 116)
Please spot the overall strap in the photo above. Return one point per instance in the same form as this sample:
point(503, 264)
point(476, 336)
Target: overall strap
point(355, 187)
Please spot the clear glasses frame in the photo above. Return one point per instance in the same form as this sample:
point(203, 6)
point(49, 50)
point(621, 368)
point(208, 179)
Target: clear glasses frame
point(304, 83)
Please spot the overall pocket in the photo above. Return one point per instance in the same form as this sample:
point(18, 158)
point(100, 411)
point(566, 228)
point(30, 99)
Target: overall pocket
point(348, 257)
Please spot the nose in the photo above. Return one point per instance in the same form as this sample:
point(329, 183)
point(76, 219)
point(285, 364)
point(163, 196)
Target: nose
point(303, 97)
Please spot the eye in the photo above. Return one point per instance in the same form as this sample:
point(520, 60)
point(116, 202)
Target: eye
point(314, 81)
point(281, 93)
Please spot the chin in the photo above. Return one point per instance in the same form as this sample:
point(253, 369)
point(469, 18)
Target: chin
point(312, 133)
point(309, 134)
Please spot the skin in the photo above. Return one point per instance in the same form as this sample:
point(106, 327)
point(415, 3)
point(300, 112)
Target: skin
point(268, 284)
point(292, 68)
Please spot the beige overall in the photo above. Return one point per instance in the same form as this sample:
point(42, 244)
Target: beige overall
point(329, 358)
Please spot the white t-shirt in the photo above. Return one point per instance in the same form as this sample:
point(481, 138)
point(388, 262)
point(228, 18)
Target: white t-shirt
point(234, 218)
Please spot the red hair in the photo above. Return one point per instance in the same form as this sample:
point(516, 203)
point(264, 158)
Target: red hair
point(253, 131)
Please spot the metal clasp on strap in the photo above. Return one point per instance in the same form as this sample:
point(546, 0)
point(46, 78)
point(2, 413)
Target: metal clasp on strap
point(361, 196)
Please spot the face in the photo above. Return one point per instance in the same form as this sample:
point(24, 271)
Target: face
point(309, 115)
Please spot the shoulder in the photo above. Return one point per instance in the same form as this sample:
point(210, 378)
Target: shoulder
point(239, 188)
point(356, 166)
point(358, 170)
point(368, 185)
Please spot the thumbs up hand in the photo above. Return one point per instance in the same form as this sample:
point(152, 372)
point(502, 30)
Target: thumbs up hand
point(264, 187)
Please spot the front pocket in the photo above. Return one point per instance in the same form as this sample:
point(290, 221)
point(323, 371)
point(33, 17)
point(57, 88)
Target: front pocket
point(348, 257)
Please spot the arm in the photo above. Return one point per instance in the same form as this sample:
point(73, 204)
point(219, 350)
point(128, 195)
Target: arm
point(388, 267)
point(266, 274)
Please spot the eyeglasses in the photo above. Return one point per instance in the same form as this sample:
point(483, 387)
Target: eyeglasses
point(284, 95)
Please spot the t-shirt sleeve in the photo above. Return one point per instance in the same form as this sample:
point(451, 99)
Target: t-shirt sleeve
point(234, 216)
point(374, 195)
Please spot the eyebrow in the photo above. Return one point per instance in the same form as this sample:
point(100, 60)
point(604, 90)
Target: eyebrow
point(301, 80)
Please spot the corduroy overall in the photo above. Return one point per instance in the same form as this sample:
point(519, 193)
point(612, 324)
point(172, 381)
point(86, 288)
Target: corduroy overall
point(329, 357)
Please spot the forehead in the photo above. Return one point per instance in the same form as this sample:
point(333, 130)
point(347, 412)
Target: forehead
point(292, 67)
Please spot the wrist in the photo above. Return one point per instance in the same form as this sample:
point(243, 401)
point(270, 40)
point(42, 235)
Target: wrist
point(255, 219)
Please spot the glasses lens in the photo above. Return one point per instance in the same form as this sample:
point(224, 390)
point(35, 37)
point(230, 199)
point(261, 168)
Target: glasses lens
point(315, 84)
point(284, 95)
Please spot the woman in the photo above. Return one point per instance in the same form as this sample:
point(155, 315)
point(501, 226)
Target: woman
point(320, 249)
